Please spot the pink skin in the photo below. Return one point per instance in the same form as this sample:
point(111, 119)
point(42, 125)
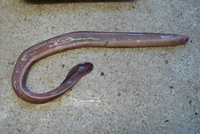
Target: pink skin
point(77, 40)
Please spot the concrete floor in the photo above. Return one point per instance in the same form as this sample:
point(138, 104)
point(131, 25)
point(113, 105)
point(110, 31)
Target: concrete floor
point(143, 90)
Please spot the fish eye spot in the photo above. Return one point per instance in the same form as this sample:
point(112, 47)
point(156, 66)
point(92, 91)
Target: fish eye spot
point(81, 68)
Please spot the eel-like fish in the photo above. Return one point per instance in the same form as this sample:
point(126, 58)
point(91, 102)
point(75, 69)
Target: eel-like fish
point(78, 40)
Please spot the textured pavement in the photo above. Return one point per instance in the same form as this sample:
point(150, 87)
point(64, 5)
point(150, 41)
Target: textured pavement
point(143, 90)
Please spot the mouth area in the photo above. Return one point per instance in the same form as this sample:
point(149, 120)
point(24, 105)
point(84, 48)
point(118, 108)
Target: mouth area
point(185, 39)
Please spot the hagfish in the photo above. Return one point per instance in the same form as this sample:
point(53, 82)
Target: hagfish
point(78, 40)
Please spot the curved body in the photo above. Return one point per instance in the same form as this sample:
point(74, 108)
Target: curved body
point(77, 40)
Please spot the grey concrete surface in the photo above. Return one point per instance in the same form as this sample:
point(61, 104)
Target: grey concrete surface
point(143, 90)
